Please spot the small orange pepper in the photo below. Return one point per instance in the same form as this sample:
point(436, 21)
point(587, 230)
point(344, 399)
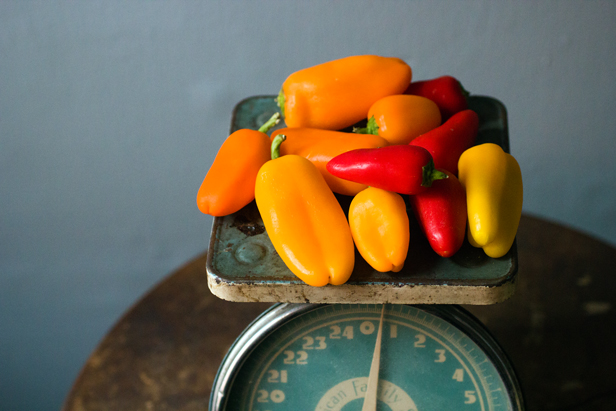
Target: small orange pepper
point(380, 227)
point(401, 118)
point(338, 93)
point(229, 184)
point(304, 220)
point(320, 146)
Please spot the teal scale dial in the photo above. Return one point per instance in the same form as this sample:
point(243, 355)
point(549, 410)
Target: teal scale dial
point(321, 357)
point(382, 341)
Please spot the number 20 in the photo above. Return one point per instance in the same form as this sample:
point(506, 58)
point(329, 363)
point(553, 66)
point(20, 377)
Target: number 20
point(276, 396)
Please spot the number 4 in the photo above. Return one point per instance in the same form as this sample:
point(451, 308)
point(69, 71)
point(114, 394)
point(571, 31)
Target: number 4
point(458, 375)
point(348, 332)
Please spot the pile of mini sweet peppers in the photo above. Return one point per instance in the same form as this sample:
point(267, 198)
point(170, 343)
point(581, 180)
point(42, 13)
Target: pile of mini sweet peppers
point(418, 144)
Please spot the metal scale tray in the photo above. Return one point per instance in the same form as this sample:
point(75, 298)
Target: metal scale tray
point(243, 266)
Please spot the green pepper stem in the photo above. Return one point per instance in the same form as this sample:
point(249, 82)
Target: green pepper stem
point(276, 145)
point(371, 128)
point(465, 93)
point(275, 119)
point(438, 175)
point(429, 174)
point(280, 100)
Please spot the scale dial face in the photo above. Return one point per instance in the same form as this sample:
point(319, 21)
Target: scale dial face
point(319, 357)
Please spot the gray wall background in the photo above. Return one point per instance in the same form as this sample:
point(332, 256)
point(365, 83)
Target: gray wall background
point(111, 112)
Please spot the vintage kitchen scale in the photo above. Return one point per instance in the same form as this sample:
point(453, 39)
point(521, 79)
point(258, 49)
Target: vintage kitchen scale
point(382, 341)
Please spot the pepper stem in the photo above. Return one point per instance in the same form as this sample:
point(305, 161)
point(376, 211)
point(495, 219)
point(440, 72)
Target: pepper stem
point(371, 128)
point(275, 119)
point(429, 174)
point(280, 100)
point(465, 92)
point(276, 142)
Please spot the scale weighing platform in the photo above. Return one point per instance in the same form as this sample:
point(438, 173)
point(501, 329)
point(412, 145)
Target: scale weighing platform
point(382, 341)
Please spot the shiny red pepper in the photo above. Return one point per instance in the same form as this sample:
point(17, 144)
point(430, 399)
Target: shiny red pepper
point(441, 214)
point(445, 91)
point(403, 169)
point(447, 142)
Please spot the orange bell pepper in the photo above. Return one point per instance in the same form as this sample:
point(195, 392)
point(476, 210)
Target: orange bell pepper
point(320, 146)
point(229, 184)
point(380, 227)
point(401, 118)
point(338, 94)
point(304, 220)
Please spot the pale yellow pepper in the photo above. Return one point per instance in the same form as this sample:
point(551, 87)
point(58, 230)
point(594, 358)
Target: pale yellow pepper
point(380, 227)
point(493, 183)
point(304, 220)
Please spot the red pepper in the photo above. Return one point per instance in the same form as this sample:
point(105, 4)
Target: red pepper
point(403, 169)
point(441, 213)
point(447, 142)
point(445, 91)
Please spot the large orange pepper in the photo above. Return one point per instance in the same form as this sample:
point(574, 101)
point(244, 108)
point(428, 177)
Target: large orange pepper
point(338, 94)
point(401, 118)
point(380, 227)
point(320, 146)
point(304, 220)
point(229, 184)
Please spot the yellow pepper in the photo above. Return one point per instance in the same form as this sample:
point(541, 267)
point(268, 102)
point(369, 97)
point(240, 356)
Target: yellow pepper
point(493, 183)
point(304, 220)
point(380, 227)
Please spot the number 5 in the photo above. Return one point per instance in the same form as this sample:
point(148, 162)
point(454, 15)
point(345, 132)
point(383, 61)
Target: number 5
point(470, 397)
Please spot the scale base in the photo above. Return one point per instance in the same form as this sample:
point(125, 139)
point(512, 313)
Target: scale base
point(361, 294)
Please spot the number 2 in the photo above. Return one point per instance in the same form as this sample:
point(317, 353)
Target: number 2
point(421, 341)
